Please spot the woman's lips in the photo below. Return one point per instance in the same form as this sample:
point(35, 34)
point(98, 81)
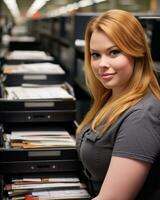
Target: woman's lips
point(107, 76)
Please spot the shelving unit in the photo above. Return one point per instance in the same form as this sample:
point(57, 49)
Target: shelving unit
point(38, 115)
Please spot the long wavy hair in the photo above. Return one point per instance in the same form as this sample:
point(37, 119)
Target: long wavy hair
point(122, 28)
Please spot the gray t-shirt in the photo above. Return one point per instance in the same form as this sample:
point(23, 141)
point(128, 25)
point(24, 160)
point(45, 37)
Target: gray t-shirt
point(135, 135)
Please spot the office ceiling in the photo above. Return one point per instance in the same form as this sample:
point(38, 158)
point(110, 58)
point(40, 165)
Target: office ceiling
point(24, 5)
point(50, 5)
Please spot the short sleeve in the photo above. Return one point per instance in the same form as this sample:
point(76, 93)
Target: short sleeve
point(139, 136)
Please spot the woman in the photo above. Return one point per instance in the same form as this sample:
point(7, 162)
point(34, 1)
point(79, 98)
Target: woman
point(119, 139)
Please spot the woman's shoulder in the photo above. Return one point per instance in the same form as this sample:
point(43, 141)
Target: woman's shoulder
point(149, 103)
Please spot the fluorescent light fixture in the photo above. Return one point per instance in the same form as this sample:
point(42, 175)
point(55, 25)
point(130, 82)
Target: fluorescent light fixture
point(71, 7)
point(99, 1)
point(13, 7)
point(85, 3)
point(36, 5)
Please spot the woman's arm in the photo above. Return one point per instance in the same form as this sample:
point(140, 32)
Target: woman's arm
point(124, 179)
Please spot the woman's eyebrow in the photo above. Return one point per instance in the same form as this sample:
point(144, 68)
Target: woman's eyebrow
point(107, 49)
point(110, 48)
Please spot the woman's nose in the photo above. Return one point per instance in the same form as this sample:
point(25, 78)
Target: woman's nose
point(104, 61)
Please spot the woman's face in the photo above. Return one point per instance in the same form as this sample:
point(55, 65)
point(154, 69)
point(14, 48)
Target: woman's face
point(111, 66)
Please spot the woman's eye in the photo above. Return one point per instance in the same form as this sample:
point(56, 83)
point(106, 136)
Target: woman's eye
point(95, 55)
point(115, 52)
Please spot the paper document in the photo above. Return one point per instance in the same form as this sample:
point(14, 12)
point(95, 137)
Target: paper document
point(47, 92)
point(61, 133)
point(28, 55)
point(56, 179)
point(34, 68)
point(22, 39)
point(59, 187)
point(62, 194)
point(44, 185)
point(40, 139)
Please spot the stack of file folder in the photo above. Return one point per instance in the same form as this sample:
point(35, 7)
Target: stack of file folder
point(40, 139)
point(40, 148)
point(36, 73)
point(35, 103)
point(27, 56)
point(59, 186)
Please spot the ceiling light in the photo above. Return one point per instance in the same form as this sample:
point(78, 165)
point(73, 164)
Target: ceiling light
point(71, 7)
point(85, 3)
point(36, 5)
point(12, 6)
point(99, 1)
